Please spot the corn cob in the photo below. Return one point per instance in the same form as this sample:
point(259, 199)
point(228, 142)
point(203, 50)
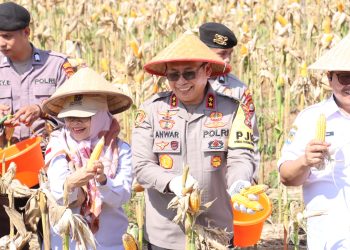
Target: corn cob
point(240, 199)
point(129, 242)
point(195, 201)
point(256, 189)
point(95, 155)
point(321, 128)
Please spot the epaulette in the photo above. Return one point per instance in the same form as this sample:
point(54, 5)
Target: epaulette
point(158, 96)
point(52, 53)
point(220, 91)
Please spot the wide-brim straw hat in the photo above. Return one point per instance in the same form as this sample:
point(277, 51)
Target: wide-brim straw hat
point(335, 59)
point(187, 48)
point(87, 82)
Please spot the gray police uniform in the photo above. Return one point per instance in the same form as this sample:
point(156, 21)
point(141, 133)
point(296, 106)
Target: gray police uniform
point(165, 137)
point(231, 86)
point(49, 70)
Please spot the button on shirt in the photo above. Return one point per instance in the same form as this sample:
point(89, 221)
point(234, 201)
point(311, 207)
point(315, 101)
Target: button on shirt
point(32, 87)
point(325, 190)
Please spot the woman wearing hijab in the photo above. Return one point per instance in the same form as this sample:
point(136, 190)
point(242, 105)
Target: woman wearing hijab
point(86, 103)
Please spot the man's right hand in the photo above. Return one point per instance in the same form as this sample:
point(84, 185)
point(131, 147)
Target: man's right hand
point(315, 153)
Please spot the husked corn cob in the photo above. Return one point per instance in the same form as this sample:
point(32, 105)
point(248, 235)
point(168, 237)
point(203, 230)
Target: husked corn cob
point(129, 242)
point(240, 199)
point(195, 201)
point(321, 128)
point(95, 155)
point(256, 189)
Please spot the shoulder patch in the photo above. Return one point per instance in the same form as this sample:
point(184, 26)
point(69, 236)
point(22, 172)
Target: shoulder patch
point(68, 68)
point(157, 96)
point(139, 118)
point(291, 134)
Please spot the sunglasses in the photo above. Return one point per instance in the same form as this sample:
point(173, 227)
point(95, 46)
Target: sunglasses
point(187, 75)
point(77, 119)
point(343, 78)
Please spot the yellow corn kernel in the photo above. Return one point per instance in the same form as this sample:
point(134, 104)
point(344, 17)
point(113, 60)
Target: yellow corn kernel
point(95, 155)
point(326, 25)
point(240, 199)
point(129, 242)
point(135, 47)
point(195, 201)
point(303, 69)
point(256, 189)
point(244, 50)
point(281, 20)
point(104, 63)
point(340, 7)
point(321, 128)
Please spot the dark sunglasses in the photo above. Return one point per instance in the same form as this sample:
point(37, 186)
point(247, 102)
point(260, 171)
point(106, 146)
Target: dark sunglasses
point(77, 119)
point(343, 78)
point(187, 75)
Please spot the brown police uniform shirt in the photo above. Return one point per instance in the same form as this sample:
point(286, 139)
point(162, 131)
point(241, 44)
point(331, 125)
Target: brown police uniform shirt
point(165, 137)
point(49, 70)
point(231, 86)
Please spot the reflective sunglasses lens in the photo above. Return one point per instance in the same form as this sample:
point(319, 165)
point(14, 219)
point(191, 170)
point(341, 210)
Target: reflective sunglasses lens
point(189, 75)
point(173, 76)
point(344, 79)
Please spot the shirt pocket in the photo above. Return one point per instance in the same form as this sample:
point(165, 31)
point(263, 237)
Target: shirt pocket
point(42, 92)
point(5, 96)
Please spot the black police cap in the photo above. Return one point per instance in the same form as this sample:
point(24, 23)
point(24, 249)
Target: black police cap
point(13, 17)
point(217, 35)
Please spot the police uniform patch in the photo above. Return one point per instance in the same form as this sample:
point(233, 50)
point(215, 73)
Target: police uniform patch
point(290, 138)
point(140, 117)
point(215, 120)
point(241, 134)
point(220, 39)
point(210, 101)
point(68, 69)
point(248, 106)
point(173, 101)
point(174, 145)
point(162, 144)
point(215, 161)
point(166, 161)
point(166, 124)
point(216, 144)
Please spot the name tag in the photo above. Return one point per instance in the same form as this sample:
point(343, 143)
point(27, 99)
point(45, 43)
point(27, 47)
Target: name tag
point(4, 82)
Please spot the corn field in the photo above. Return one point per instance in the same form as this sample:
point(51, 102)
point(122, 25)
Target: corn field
point(277, 40)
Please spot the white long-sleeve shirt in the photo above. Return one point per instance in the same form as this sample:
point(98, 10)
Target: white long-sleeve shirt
point(113, 222)
point(324, 190)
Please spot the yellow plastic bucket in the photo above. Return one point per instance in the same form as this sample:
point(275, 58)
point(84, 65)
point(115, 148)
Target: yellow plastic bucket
point(28, 158)
point(247, 228)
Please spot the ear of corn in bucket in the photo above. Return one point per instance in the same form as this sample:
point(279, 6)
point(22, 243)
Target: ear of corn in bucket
point(129, 242)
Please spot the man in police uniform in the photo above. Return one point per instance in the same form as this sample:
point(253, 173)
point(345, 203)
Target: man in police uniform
point(27, 75)
point(221, 40)
point(191, 124)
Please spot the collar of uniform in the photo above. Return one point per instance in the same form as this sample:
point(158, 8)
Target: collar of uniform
point(36, 56)
point(331, 107)
point(4, 61)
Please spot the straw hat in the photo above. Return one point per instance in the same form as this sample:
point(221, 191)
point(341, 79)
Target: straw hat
point(86, 82)
point(188, 48)
point(335, 59)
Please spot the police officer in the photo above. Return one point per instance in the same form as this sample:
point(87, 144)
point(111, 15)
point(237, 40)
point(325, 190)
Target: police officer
point(28, 75)
point(221, 40)
point(191, 124)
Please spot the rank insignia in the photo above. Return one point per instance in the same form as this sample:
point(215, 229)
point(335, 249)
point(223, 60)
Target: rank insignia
point(215, 161)
point(210, 101)
point(220, 39)
point(166, 161)
point(67, 67)
point(140, 117)
point(162, 144)
point(173, 101)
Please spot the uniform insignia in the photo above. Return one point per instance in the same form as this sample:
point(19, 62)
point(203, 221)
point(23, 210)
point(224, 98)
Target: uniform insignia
point(166, 161)
point(210, 101)
point(37, 57)
point(241, 135)
point(162, 144)
point(68, 68)
point(140, 117)
point(174, 145)
point(216, 118)
point(173, 101)
point(168, 114)
point(216, 144)
point(220, 39)
point(166, 124)
point(248, 106)
point(215, 161)
point(291, 134)
point(330, 133)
